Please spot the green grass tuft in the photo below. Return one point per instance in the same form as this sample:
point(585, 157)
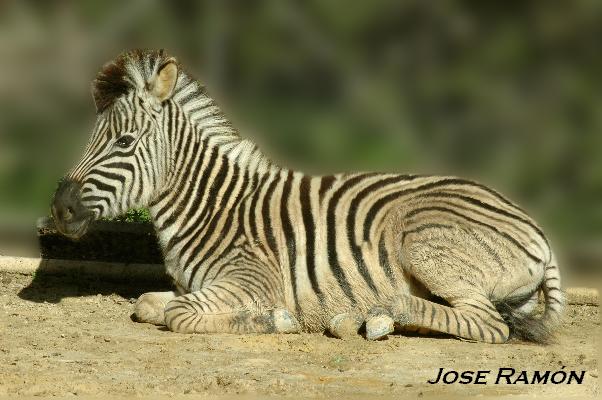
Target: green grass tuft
point(138, 215)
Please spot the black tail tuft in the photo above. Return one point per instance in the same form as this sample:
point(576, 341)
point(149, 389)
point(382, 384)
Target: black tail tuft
point(533, 326)
point(524, 326)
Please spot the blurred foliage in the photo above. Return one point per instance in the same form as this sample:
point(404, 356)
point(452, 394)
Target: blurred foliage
point(508, 93)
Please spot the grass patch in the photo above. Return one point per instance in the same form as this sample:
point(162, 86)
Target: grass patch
point(138, 215)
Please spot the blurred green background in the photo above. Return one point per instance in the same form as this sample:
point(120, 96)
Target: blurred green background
point(508, 93)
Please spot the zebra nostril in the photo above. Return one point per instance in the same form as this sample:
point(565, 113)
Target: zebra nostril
point(68, 216)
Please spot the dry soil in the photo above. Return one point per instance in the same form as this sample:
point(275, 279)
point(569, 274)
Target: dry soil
point(63, 336)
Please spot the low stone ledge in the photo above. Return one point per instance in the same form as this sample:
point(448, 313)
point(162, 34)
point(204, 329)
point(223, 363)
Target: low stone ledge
point(113, 270)
point(106, 241)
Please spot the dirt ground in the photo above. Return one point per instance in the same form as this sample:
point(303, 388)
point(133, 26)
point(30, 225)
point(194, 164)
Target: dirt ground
point(62, 336)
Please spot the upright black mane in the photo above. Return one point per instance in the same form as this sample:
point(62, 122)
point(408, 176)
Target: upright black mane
point(115, 78)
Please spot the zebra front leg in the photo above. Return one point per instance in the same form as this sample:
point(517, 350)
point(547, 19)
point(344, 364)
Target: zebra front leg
point(216, 310)
point(150, 307)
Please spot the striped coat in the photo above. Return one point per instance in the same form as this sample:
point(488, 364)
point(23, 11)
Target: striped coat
point(254, 247)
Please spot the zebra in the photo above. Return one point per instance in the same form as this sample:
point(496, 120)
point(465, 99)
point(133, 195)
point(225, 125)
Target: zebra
point(253, 247)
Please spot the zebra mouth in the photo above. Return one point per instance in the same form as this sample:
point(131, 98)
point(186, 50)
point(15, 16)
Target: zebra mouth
point(75, 229)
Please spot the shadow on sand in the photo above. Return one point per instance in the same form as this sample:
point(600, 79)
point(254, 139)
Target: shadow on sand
point(57, 279)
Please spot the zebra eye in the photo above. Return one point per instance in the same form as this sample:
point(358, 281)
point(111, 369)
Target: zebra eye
point(124, 141)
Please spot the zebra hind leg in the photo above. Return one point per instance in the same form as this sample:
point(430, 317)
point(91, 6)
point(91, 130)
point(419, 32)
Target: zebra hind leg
point(473, 318)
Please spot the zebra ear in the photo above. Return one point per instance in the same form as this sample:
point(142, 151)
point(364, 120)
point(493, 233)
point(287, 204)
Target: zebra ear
point(163, 84)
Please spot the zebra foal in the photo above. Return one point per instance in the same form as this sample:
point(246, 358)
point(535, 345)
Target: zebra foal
point(256, 248)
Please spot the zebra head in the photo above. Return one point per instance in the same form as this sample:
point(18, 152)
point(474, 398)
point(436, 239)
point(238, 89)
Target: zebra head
point(125, 161)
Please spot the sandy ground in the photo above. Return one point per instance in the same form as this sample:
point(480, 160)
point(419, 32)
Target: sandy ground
point(64, 336)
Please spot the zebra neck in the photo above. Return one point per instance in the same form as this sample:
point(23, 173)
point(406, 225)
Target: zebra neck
point(213, 171)
point(208, 121)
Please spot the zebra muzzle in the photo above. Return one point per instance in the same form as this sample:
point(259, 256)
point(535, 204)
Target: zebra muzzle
point(71, 217)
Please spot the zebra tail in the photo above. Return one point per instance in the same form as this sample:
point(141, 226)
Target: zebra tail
point(529, 326)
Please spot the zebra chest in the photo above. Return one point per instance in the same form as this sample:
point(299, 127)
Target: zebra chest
point(195, 271)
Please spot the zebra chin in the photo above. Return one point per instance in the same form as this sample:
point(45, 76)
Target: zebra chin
point(74, 230)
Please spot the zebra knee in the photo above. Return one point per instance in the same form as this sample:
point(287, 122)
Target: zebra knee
point(181, 316)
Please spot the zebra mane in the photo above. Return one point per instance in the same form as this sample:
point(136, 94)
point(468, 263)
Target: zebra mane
point(129, 70)
point(133, 69)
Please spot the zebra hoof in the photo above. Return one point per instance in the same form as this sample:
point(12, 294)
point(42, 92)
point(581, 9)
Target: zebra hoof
point(149, 309)
point(378, 327)
point(345, 325)
point(284, 322)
